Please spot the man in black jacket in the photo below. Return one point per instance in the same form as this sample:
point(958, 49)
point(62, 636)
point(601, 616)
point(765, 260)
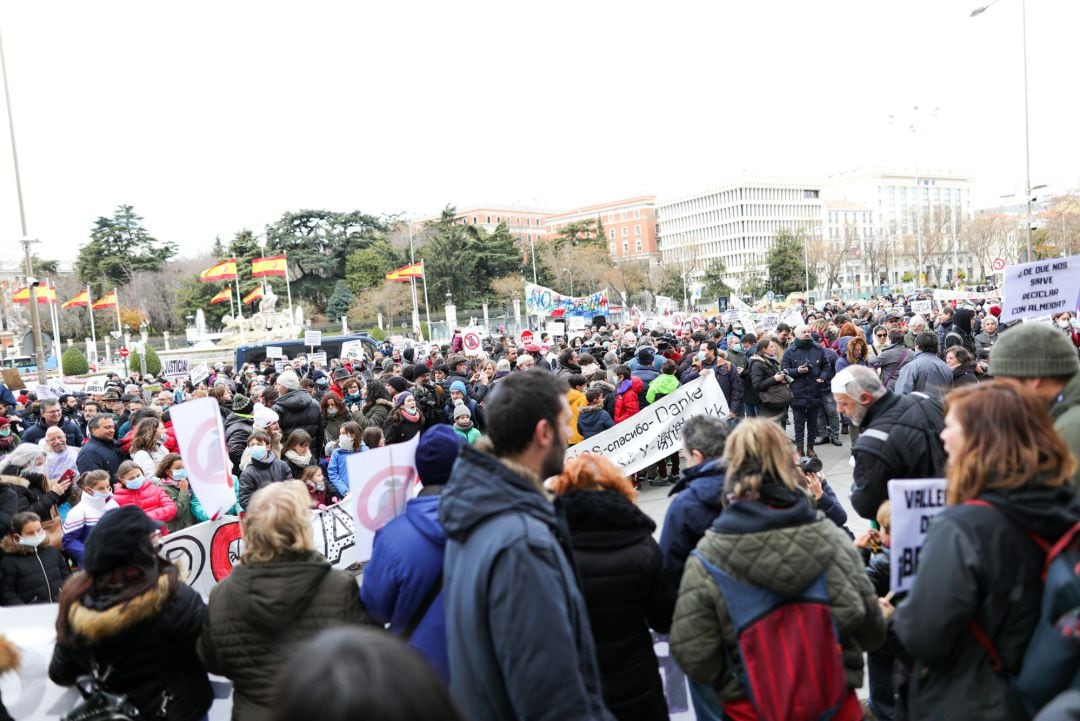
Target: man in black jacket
point(297, 409)
point(52, 415)
point(899, 436)
point(99, 453)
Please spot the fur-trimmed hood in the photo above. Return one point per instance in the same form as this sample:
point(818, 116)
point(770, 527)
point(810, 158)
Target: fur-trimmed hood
point(9, 655)
point(13, 548)
point(94, 625)
point(10, 480)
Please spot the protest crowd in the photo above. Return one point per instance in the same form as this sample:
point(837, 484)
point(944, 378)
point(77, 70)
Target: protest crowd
point(523, 582)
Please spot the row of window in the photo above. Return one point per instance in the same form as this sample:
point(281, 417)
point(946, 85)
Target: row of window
point(626, 247)
point(738, 195)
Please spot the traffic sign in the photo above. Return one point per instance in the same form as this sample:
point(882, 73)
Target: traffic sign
point(124, 352)
point(999, 264)
point(769, 296)
point(527, 337)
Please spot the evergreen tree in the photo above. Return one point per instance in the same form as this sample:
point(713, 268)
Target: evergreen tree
point(339, 302)
point(73, 362)
point(786, 263)
point(119, 247)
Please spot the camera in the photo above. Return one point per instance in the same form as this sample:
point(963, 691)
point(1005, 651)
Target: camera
point(810, 464)
point(789, 377)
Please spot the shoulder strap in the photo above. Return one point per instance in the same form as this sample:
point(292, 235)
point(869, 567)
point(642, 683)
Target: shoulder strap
point(425, 606)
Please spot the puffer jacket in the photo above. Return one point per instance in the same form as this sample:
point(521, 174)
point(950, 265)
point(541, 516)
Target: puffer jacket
point(762, 369)
point(807, 387)
point(698, 501)
point(978, 564)
point(627, 591)
point(337, 471)
point(297, 409)
point(148, 642)
point(30, 575)
point(97, 455)
point(1066, 414)
point(406, 562)
point(263, 609)
point(784, 550)
point(593, 420)
point(182, 500)
point(238, 429)
point(261, 473)
point(627, 402)
point(374, 417)
point(889, 362)
point(150, 497)
point(31, 494)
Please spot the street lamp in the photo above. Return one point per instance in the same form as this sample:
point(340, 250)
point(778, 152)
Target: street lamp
point(1027, 134)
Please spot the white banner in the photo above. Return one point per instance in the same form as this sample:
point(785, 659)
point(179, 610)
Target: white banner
point(945, 294)
point(199, 374)
point(353, 349)
point(94, 386)
point(201, 436)
point(380, 481)
point(1041, 288)
point(176, 368)
point(273, 351)
point(655, 432)
point(914, 502)
point(313, 338)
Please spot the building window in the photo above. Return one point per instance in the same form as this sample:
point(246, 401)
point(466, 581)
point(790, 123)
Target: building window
point(613, 249)
point(625, 247)
point(611, 233)
point(637, 231)
point(489, 220)
point(625, 232)
point(638, 245)
point(474, 220)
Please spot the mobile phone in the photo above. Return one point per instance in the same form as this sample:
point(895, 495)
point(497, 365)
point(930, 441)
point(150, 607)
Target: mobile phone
point(68, 475)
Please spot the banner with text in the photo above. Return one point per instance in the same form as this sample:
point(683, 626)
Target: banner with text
point(914, 503)
point(544, 301)
point(655, 432)
point(1045, 287)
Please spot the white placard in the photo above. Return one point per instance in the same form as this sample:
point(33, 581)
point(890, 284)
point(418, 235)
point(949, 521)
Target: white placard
point(655, 432)
point(1041, 288)
point(922, 307)
point(176, 368)
point(199, 374)
point(201, 436)
point(319, 357)
point(380, 481)
point(769, 321)
point(555, 328)
point(313, 338)
point(576, 322)
point(280, 366)
point(914, 502)
point(353, 349)
point(471, 343)
point(94, 386)
point(274, 351)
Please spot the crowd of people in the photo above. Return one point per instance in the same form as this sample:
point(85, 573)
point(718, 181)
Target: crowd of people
point(520, 585)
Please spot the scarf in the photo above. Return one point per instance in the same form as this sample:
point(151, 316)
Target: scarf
point(411, 417)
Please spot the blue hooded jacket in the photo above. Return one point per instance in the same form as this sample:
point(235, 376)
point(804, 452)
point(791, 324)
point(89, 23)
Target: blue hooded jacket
point(406, 561)
point(696, 505)
point(518, 631)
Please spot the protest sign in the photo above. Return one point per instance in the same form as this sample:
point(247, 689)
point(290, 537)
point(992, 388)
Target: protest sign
point(470, 342)
point(273, 351)
point(922, 307)
point(770, 321)
point(1040, 288)
point(280, 366)
point(45, 392)
point(319, 357)
point(576, 322)
point(12, 379)
point(313, 338)
point(199, 374)
point(543, 301)
point(201, 437)
point(914, 502)
point(555, 328)
point(176, 368)
point(94, 386)
point(380, 481)
point(655, 432)
point(353, 350)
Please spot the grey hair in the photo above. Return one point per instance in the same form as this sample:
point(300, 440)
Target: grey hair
point(49, 403)
point(861, 379)
point(706, 434)
point(24, 455)
point(917, 321)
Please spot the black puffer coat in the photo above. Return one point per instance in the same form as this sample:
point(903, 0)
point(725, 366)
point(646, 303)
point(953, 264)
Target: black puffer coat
point(30, 575)
point(263, 609)
point(627, 591)
point(238, 430)
point(31, 494)
point(148, 642)
point(297, 409)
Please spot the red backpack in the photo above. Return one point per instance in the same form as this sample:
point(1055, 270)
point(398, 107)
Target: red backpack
point(790, 662)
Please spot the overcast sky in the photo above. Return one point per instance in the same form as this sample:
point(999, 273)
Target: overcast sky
point(210, 117)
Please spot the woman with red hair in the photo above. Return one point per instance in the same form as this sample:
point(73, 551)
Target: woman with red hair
point(978, 592)
point(626, 588)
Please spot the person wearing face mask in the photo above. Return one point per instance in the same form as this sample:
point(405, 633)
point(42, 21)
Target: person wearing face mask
point(97, 499)
point(349, 442)
point(148, 446)
point(30, 571)
point(238, 427)
point(376, 407)
point(134, 490)
point(8, 438)
point(171, 476)
point(405, 421)
point(1065, 323)
point(24, 471)
point(263, 469)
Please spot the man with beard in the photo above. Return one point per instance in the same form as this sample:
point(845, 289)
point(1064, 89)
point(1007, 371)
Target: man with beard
point(508, 584)
point(899, 436)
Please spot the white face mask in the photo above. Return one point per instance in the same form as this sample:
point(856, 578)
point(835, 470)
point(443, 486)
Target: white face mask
point(1063, 323)
point(345, 443)
point(32, 541)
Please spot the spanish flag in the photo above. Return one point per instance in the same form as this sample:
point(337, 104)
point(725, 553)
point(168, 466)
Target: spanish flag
point(253, 296)
point(80, 301)
point(275, 265)
point(45, 294)
point(225, 270)
point(107, 301)
point(407, 272)
point(224, 296)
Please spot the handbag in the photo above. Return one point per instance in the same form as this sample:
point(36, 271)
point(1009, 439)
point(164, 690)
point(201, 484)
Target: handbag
point(54, 529)
point(100, 704)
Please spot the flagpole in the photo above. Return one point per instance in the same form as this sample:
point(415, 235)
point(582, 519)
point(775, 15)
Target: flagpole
point(239, 310)
point(90, 308)
point(231, 308)
point(54, 315)
point(427, 308)
point(119, 330)
point(288, 290)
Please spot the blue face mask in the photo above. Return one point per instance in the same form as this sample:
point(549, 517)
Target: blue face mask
point(180, 475)
point(258, 453)
point(134, 484)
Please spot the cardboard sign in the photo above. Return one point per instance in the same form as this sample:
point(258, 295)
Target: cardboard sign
point(353, 349)
point(1044, 287)
point(45, 391)
point(319, 357)
point(655, 432)
point(313, 338)
point(176, 368)
point(922, 307)
point(380, 481)
point(199, 374)
point(201, 436)
point(274, 351)
point(914, 503)
point(12, 379)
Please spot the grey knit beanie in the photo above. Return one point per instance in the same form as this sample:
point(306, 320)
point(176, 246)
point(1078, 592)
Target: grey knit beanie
point(1033, 350)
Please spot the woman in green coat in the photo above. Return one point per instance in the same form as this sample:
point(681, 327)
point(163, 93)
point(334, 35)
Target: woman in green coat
point(172, 477)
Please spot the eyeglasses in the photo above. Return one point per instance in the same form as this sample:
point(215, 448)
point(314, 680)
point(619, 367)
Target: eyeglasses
point(881, 335)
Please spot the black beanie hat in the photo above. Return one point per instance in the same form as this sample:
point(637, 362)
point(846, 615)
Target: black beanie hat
point(121, 538)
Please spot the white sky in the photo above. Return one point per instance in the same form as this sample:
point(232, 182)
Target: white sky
point(213, 116)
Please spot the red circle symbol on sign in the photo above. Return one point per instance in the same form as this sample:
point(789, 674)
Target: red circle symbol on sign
point(526, 337)
point(124, 352)
point(380, 492)
point(999, 264)
point(471, 340)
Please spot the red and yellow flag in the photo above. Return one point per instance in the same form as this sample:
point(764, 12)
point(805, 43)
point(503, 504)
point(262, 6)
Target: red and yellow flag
point(45, 294)
point(274, 265)
point(407, 272)
point(225, 270)
point(253, 296)
point(224, 296)
point(107, 301)
point(80, 301)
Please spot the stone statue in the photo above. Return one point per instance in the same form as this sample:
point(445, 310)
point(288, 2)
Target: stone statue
point(268, 304)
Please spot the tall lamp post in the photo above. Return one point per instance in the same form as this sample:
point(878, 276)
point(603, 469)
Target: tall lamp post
point(1027, 134)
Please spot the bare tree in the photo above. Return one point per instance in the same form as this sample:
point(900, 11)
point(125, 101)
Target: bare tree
point(392, 299)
